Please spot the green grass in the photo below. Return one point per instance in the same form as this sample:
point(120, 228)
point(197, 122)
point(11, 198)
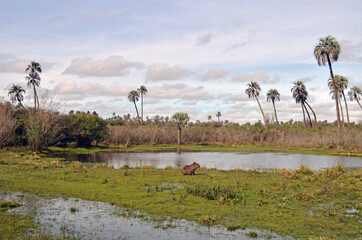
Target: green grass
point(299, 203)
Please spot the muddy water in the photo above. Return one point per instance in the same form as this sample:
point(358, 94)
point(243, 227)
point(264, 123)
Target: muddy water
point(80, 219)
point(223, 161)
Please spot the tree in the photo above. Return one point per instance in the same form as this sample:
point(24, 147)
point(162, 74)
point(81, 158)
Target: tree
point(133, 96)
point(301, 95)
point(16, 94)
point(253, 92)
point(341, 83)
point(273, 95)
point(218, 115)
point(33, 79)
point(355, 94)
point(181, 120)
point(209, 118)
point(142, 90)
point(327, 51)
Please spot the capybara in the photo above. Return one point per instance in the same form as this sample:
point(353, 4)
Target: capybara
point(190, 169)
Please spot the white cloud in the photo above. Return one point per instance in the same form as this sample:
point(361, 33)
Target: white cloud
point(214, 74)
point(179, 91)
point(160, 71)
point(10, 63)
point(205, 39)
point(109, 67)
point(70, 87)
point(350, 51)
point(260, 77)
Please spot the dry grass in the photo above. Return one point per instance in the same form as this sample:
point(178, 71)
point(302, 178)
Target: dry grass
point(326, 137)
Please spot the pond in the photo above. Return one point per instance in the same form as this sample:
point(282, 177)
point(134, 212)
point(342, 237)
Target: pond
point(74, 218)
point(218, 160)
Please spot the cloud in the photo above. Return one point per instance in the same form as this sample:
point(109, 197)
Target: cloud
point(261, 77)
point(70, 87)
point(214, 74)
point(205, 39)
point(179, 91)
point(111, 66)
point(160, 71)
point(350, 51)
point(10, 63)
point(56, 19)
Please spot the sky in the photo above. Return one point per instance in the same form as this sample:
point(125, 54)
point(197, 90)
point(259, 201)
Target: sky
point(193, 56)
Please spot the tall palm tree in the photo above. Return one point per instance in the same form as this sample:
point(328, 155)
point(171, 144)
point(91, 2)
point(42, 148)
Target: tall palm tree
point(133, 96)
point(327, 51)
point(300, 94)
point(342, 84)
point(273, 95)
point(33, 78)
point(142, 90)
point(253, 92)
point(355, 94)
point(16, 94)
point(181, 120)
point(218, 115)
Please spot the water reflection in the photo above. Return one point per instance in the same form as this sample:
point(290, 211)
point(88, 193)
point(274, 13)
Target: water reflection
point(222, 161)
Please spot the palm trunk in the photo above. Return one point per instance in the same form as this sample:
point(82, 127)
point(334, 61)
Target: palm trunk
point(305, 125)
point(345, 101)
point(35, 97)
point(340, 106)
point(265, 123)
point(138, 116)
point(335, 91)
point(310, 120)
point(275, 112)
point(179, 136)
point(315, 117)
point(358, 103)
point(20, 102)
point(218, 119)
point(141, 107)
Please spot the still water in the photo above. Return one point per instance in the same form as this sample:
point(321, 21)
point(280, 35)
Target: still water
point(222, 161)
point(99, 220)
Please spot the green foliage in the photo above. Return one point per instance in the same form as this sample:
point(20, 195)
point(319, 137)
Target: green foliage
point(83, 129)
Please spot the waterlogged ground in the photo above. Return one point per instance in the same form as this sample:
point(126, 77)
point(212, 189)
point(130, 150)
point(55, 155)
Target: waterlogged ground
point(298, 203)
point(79, 219)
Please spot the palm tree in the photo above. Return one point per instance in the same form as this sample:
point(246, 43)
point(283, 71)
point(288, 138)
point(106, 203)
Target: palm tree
point(218, 115)
point(33, 79)
point(16, 94)
point(209, 118)
point(341, 83)
point(133, 96)
point(300, 94)
point(253, 92)
point(273, 95)
point(355, 94)
point(181, 120)
point(327, 51)
point(142, 90)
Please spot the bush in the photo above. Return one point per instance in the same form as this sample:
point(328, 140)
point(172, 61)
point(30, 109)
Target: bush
point(82, 129)
point(7, 123)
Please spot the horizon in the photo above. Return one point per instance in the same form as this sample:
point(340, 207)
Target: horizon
point(192, 57)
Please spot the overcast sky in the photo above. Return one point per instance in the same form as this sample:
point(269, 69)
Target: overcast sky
point(193, 56)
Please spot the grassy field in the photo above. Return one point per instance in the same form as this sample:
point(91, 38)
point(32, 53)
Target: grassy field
point(299, 203)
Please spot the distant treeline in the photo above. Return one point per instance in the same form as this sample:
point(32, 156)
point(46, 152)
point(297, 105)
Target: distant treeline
point(44, 128)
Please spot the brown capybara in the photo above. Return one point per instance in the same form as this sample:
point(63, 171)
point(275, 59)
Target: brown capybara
point(190, 169)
